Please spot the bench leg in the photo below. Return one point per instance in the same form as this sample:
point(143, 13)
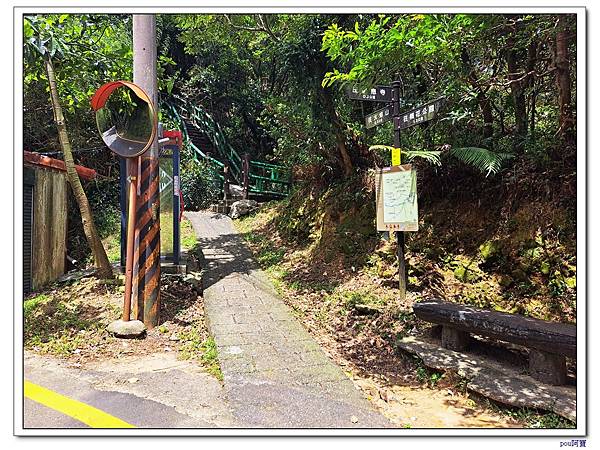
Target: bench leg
point(454, 339)
point(547, 367)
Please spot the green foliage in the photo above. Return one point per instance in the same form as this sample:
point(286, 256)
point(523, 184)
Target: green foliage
point(103, 196)
point(466, 274)
point(425, 375)
point(192, 342)
point(87, 50)
point(464, 59)
point(188, 235)
point(531, 417)
point(30, 305)
point(267, 254)
point(56, 326)
point(360, 297)
point(198, 187)
point(374, 47)
point(489, 250)
point(296, 225)
point(270, 257)
point(267, 92)
point(543, 256)
point(194, 346)
point(112, 246)
point(210, 358)
point(484, 160)
point(432, 157)
point(421, 373)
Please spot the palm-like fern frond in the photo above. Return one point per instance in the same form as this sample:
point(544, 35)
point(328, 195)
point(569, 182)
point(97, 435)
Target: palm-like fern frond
point(482, 159)
point(433, 157)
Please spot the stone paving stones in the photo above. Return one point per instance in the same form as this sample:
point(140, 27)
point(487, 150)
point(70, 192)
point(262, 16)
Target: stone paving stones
point(275, 374)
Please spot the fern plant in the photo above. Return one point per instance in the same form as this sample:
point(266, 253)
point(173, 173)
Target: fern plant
point(481, 159)
point(431, 156)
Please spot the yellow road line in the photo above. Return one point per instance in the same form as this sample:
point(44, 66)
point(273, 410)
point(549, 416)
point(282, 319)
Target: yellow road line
point(87, 414)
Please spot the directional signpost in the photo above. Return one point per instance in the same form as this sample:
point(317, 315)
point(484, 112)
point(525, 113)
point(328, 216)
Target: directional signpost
point(378, 117)
point(376, 94)
point(418, 115)
point(407, 119)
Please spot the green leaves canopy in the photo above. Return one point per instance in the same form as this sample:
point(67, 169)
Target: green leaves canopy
point(87, 51)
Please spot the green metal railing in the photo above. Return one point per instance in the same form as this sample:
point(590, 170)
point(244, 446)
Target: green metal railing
point(263, 178)
point(214, 166)
point(268, 179)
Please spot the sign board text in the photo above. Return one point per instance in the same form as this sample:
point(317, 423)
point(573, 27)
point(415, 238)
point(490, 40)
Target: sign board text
point(418, 115)
point(378, 117)
point(375, 94)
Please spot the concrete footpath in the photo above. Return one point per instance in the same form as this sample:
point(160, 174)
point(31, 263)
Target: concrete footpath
point(275, 374)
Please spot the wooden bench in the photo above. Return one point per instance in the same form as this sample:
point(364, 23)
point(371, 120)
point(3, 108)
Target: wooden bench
point(548, 342)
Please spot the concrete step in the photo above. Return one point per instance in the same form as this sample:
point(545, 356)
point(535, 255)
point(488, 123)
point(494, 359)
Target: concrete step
point(220, 209)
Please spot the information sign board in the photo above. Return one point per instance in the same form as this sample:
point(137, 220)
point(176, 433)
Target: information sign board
point(396, 197)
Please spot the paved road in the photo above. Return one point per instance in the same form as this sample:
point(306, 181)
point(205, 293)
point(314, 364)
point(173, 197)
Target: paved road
point(275, 374)
point(166, 394)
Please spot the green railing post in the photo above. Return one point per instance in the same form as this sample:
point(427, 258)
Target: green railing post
point(245, 175)
point(226, 192)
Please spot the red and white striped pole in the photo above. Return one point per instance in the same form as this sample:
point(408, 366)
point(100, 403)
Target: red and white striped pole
point(146, 272)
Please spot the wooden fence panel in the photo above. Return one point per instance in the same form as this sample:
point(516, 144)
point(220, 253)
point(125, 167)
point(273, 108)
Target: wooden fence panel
point(49, 226)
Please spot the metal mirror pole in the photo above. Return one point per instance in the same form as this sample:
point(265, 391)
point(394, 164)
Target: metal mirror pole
point(132, 180)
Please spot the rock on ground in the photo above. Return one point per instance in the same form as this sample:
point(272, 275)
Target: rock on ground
point(129, 329)
point(242, 208)
point(498, 382)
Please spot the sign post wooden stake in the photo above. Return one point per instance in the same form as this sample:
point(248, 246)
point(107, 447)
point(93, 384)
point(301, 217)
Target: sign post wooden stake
point(399, 234)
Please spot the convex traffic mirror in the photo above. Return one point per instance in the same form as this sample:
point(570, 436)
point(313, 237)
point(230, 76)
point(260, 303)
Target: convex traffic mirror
point(125, 117)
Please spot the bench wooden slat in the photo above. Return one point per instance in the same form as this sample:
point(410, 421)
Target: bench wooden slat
point(551, 337)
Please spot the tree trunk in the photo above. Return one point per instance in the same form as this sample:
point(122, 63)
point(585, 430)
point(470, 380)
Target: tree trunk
point(531, 62)
point(340, 139)
point(482, 99)
point(518, 95)
point(89, 228)
point(346, 161)
point(563, 82)
point(325, 101)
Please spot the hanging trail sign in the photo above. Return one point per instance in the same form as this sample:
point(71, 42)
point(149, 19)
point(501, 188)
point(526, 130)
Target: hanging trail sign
point(418, 115)
point(374, 94)
point(378, 117)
